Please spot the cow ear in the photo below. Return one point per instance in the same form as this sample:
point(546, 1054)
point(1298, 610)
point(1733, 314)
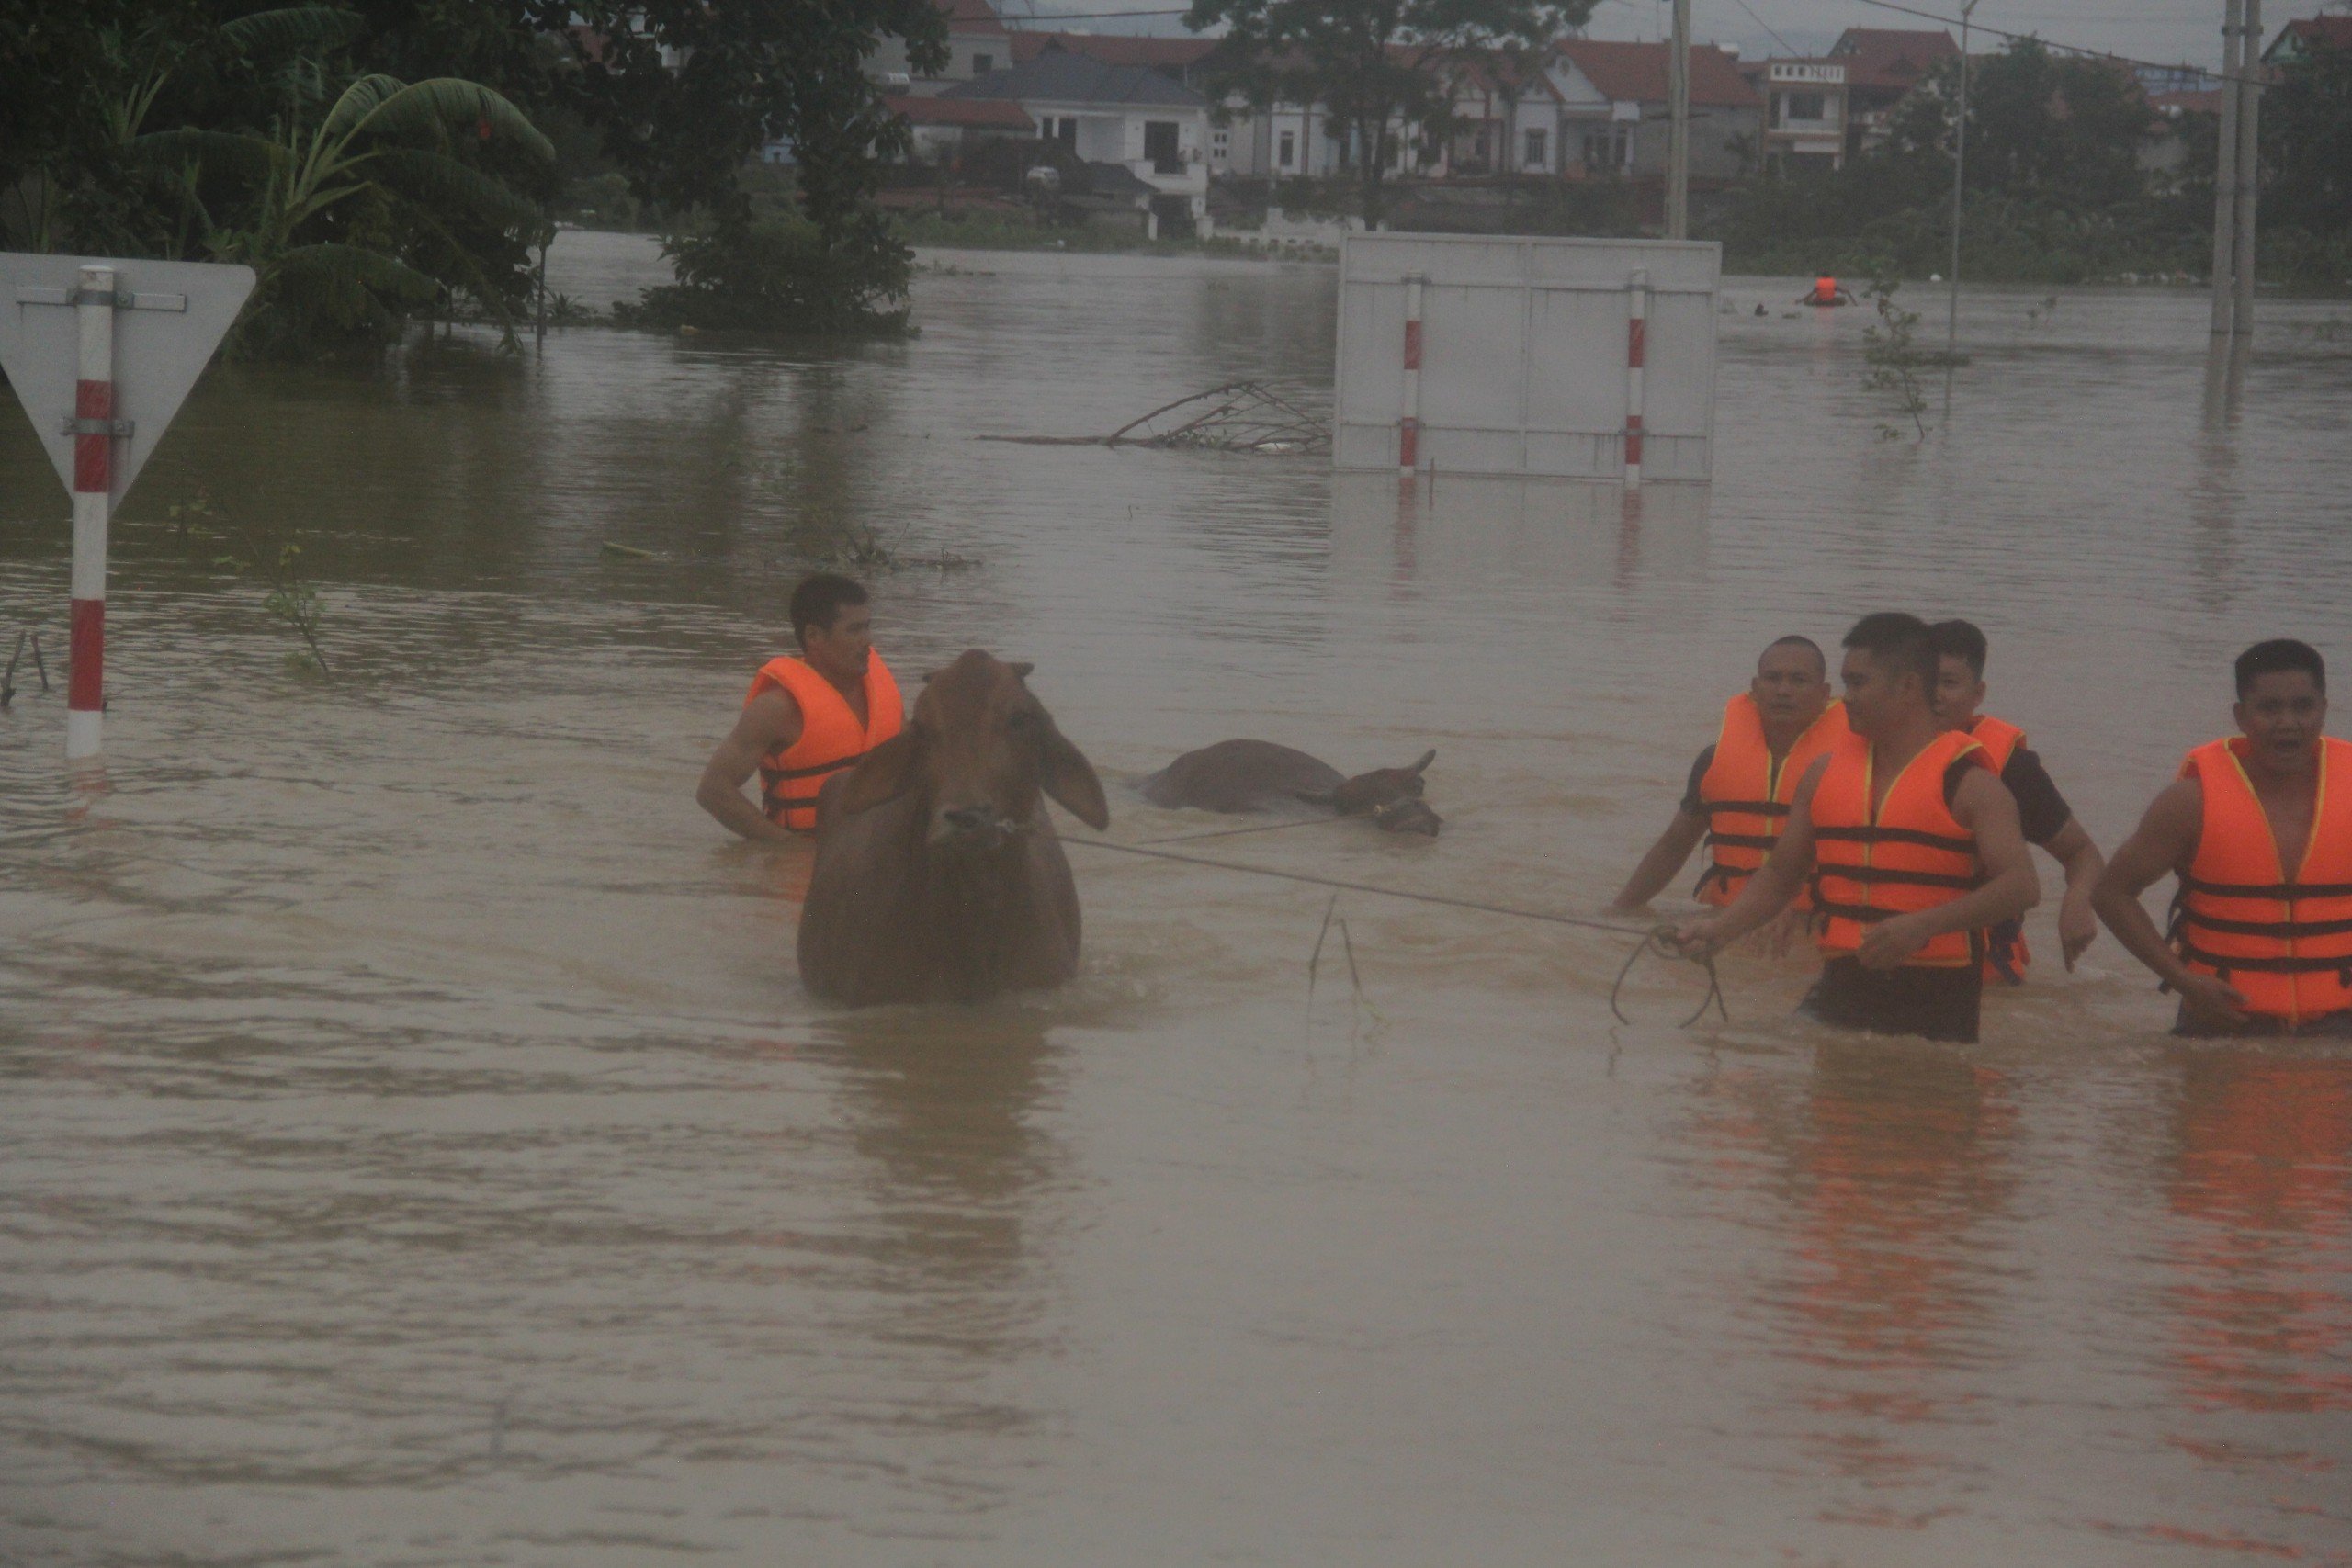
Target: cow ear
point(1423, 765)
point(1020, 668)
point(887, 773)
point(1069, 778)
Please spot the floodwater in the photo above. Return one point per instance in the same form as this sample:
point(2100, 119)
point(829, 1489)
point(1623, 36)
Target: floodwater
point(418, 1150)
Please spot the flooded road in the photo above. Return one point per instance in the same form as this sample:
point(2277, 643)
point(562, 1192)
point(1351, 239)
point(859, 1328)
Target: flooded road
point(418, 1148)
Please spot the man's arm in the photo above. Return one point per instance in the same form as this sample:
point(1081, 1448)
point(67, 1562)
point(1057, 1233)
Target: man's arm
point(769, 720)
point(1663, 863)
point(1983, 806)
point(2077, 920)
point(1769, 891)
point(2164, 840)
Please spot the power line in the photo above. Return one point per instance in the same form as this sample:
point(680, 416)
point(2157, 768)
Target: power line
point(2037, 38)
point(1760, 22)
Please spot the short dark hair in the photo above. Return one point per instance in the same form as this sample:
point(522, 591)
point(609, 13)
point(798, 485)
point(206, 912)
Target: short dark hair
point(1897, 639)
point(818, 599)
point(1961, 640)
point(2280, 653)
point(1793, 640)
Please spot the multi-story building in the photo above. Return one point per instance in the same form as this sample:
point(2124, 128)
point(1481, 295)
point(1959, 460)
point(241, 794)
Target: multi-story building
point(1804, 112)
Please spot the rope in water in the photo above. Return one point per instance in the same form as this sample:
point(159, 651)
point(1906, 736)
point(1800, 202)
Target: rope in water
point(1649, 935)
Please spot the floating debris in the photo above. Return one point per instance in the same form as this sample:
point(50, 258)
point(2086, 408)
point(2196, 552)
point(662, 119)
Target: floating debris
point(1240, 416)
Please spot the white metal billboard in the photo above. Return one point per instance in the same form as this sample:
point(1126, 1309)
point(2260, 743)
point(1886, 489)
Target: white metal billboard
point(1554, 358)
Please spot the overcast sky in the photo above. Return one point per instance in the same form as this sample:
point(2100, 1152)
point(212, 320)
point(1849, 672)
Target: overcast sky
point(2145, 29)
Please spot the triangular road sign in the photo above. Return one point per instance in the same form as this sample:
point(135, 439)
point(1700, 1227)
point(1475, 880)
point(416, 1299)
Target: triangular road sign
point(169, 317)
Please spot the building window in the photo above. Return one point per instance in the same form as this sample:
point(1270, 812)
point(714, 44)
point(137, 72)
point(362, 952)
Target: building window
point(1534, 158)
point(1289, 153)
point(1802, 105)
point(1159, 146)
point(1220, 144)
point(983, 63)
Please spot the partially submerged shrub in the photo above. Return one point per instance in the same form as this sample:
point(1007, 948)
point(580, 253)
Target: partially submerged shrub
point(780, 274)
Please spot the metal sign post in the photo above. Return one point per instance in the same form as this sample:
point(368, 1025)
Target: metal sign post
point(102, 353)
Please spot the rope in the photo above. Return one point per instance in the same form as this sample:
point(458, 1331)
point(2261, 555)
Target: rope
point(1715, 997)
point(1650, 943)
point(1366, 888)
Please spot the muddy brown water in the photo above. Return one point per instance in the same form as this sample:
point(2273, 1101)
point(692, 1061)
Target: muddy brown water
point(417, 1148)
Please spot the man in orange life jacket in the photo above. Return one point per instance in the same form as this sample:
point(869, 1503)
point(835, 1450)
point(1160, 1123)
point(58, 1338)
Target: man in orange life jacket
point(1738, 797)
point(1912, 845)
point(2259, 828)
point(806, 718)
point(2042, 812)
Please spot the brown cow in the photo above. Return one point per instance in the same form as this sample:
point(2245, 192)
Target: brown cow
point(939, 876)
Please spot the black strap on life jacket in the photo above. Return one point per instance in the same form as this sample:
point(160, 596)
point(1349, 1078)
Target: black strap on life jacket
point(1875, 875)
point(1752, 807)
point(1898, 835)
point(773, 797)
point(2289, 891)
point(1741, 840)
point(2224, 964)
point(2263, 928)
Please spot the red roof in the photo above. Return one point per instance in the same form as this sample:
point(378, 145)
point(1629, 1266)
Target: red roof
point(987, 114)
point(1635, 72)
point(1895, 58)
point(968, 17)
point(1114, 49)
point(2326, 32)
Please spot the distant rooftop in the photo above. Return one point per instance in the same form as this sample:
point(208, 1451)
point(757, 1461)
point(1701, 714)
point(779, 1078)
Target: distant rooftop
point(1056, 75)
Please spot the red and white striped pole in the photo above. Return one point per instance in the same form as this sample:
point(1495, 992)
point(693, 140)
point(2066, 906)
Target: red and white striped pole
point(1408, 428)
point(1637, 333)
point(94, 433)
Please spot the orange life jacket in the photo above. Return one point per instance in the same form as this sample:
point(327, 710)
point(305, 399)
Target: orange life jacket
point(2007, 957)
point(1746, 792)
point(2285, 942)
point(831, 736)
point(1825, 291)
point(1910, 853)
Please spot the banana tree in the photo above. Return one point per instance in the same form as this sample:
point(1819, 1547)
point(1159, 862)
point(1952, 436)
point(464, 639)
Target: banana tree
point(332, 215)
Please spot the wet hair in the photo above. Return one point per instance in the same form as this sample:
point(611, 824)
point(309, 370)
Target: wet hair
point(2279, 654)
point(1899, 641)
point(1820, 660)
point(818, 599)
point(1961, 640)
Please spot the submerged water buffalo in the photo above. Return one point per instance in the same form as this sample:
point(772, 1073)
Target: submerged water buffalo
point(1258, 775)
point(939, 876)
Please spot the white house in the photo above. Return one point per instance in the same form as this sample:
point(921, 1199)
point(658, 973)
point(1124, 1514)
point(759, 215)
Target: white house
point(1132, 116)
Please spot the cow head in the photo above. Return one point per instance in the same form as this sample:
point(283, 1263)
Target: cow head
point(983, 751)
point(1391, 797)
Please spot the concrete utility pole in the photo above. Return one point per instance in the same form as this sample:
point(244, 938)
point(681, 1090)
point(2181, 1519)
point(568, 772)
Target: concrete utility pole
point(1678, 146)
point(2249, 141)
point(1959, 168)
point(2225, 166)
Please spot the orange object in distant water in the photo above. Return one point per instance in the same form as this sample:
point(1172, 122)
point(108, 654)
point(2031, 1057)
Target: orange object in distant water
point(1825, 291)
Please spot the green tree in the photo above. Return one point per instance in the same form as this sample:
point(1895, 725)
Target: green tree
point(687, 92)
point(351, 210)
point(1375, 67)
point(2307, 154)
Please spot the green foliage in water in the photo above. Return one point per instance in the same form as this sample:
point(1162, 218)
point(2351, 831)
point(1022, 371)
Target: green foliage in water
point(781, 274)
point(266, 139)
point(260, 552)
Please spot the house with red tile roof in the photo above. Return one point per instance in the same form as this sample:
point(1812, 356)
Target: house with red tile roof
point(2299, 39)
point(1804, 111)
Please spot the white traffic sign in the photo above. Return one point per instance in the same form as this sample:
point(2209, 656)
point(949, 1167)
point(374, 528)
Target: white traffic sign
point(168, 318)
point(101, 353)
